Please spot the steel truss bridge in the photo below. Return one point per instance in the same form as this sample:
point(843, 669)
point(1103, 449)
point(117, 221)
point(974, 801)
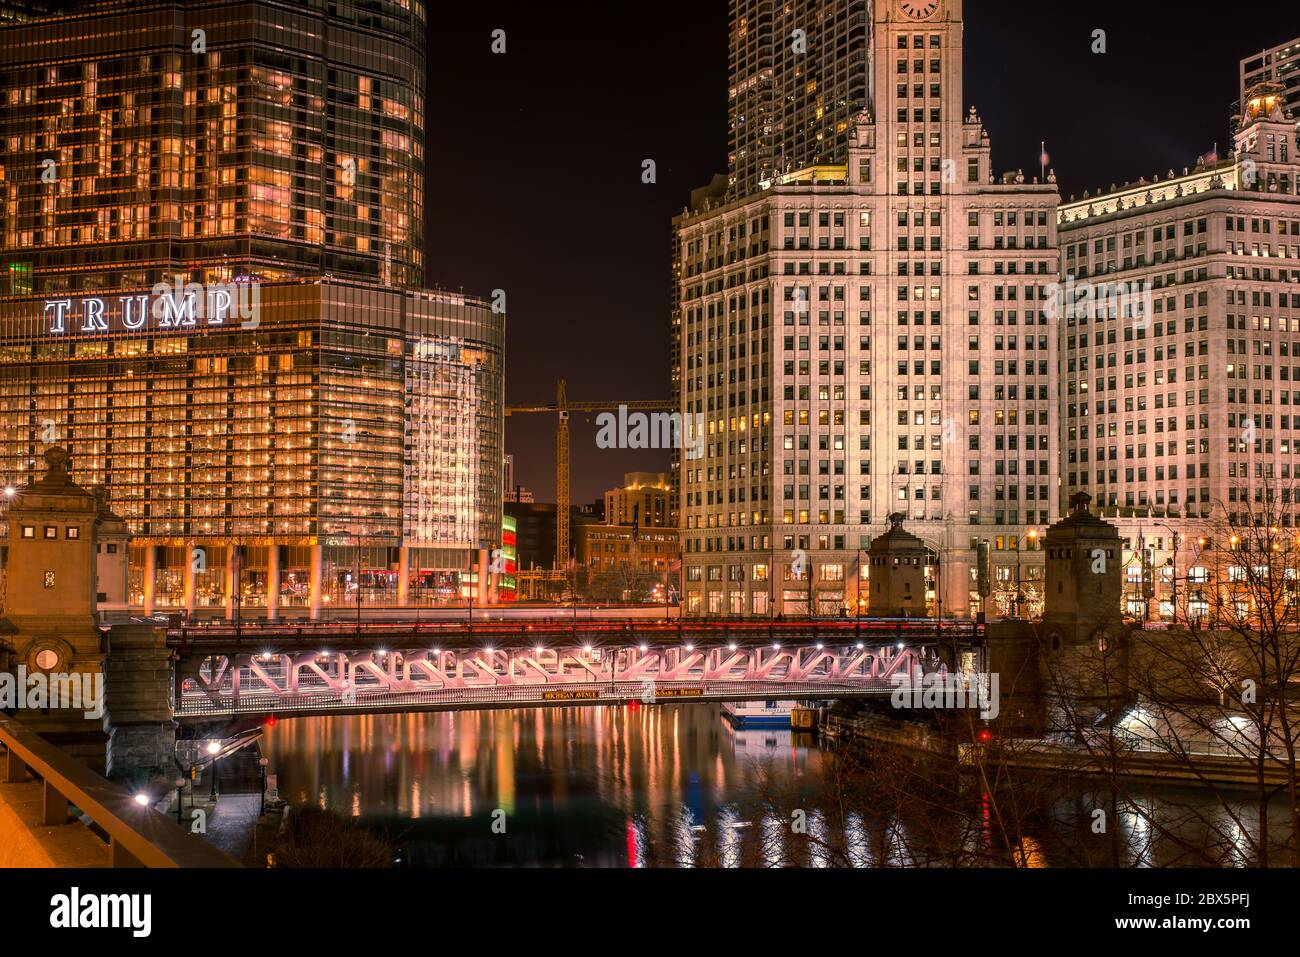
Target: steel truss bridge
point(224, 671)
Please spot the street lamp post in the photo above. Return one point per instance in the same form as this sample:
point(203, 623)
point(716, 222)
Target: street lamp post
point(857, 593)
point(358, 584)
point(1019, 585)
point(1173, 575)
point(261, 767)
point(180, 800)
point(667, 609)
point(1033, 544)
point(1202, 544)
point(1032, 535)
point(214, 748)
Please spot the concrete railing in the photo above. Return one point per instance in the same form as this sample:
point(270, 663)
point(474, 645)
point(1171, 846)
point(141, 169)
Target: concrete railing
point(138, 835)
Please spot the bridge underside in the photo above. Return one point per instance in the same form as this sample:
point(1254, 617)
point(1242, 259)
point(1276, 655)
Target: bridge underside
point(293, 683)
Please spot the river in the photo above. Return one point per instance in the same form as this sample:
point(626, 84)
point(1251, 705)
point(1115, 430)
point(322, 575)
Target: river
point(676, 785)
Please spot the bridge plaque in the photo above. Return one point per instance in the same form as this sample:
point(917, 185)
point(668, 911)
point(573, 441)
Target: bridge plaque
point(570, 695)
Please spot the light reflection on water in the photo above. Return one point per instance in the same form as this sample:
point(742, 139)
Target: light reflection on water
point(673, 785)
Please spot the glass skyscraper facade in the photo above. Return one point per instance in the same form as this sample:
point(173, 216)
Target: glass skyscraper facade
point(217, 140)
point(799, 72)
point(210, 271)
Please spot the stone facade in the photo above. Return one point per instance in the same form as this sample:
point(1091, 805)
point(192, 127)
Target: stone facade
point(898, 562)
point(869, 337)
point(49, 603)
point(139, 691)
point(1180, 392)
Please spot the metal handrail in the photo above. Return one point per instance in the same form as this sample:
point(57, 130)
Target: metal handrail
point(529, 629)
point(622, 692)
point(139, 836)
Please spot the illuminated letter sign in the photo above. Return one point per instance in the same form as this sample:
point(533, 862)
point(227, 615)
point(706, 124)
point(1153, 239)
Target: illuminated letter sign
point(135, 310)
point(173, 311)
point(60, 307)
point(182, 308)
point(92, 316)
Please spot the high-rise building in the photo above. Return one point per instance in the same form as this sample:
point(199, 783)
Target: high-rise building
point(628, 555)
point(642, 500)
point(869, 337)
point(218, 141)
point(14, 10)
point(210, 269)
point(1180, 323)
point(799, 73)
point(1280, 65)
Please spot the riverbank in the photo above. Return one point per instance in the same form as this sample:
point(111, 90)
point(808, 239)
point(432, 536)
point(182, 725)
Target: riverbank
point(1130, 759)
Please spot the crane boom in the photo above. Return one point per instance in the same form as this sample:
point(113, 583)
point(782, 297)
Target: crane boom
point(633, 405)
point(562, 482)
point(562, 408)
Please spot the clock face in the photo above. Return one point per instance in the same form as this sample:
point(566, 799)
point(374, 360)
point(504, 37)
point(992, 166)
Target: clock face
point(919, 9)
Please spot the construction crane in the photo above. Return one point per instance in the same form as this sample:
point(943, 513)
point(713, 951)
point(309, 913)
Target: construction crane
point(562, 408)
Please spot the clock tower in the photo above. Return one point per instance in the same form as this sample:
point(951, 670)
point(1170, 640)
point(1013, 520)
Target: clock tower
point(919, 9)
point(917, 74)
point(900, 288)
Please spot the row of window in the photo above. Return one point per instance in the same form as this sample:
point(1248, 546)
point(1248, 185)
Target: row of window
point(52, 531)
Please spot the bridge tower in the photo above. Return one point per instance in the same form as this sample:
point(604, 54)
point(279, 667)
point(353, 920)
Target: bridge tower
point(897, 561)
point(1084, 559)
point(1085, 641)
point(49, 607)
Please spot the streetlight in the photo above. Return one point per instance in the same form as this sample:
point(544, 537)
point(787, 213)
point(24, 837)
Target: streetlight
point(180, 800)
point(1032, 535)
point(214, 748)
point(261, 767)
point(1173, 572)
point(142, 799)
point(358, 585)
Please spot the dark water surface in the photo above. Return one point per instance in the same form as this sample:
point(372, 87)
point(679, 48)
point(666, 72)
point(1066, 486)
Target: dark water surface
point(671, 785)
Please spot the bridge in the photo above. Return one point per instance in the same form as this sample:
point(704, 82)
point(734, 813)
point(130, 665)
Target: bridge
point(227, 671)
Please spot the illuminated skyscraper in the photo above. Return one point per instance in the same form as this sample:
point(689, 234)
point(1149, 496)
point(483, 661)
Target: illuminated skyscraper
point(210, 270)
point(799, 72)
point(1279, 65)
point(1180, 405)
point(215, 140)
point(869, 336)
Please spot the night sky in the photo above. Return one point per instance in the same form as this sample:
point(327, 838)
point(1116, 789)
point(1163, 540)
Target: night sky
point(534, 161)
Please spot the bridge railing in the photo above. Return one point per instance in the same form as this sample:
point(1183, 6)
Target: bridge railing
point(138, 836)
point(597, 631)
point(193, 706)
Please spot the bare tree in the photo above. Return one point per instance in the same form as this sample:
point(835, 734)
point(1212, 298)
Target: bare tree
point(1208, 700)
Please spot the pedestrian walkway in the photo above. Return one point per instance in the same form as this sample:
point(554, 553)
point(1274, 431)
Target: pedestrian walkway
point(228, 823)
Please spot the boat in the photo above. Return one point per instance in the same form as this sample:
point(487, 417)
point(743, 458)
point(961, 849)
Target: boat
point(759, 714)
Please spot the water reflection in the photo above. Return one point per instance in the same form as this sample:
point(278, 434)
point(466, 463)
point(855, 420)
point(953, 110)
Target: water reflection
point(669, 785)
point(677, 786)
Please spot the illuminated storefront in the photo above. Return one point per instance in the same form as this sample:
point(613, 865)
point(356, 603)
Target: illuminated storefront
point(508, 584)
